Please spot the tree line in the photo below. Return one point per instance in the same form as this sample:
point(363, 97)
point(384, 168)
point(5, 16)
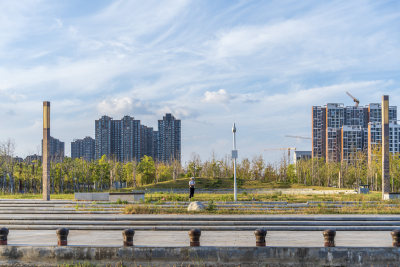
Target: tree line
point(78, 175)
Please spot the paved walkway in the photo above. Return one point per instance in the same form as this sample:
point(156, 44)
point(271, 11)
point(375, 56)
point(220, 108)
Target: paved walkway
point(17, 215)
point(210, 238)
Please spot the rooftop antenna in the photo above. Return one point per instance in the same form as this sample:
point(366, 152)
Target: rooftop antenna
point(354, 99)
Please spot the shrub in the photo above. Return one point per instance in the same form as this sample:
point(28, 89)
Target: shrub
point(140, 209)
point(119, 201)
point(211, 206)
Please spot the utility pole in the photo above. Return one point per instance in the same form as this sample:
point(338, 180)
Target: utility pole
point(234, 157)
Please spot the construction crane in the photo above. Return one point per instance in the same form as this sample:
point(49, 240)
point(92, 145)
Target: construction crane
point(354, 99)
point(284, 148)
point(298, 137)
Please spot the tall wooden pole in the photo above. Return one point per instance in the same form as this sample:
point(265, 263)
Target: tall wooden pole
point(385, 147)
point(234, 157)
point(46, 150)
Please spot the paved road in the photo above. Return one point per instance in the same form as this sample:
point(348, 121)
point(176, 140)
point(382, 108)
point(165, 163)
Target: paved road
point(214, 238)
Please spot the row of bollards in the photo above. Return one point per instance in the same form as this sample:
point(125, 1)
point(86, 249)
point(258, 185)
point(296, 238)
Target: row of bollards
point(194, 235)
point(62, 236)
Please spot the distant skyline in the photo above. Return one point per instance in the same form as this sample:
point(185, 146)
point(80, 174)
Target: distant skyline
point(261, 64)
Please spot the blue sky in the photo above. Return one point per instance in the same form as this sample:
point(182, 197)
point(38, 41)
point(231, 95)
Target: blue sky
point(262, 64)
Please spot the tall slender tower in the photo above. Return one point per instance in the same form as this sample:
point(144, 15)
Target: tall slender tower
point(385, 147)
point(46, 150)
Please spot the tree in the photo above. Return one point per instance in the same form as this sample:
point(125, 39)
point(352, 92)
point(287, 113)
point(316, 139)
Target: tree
point(257, 168)
point(146, 170)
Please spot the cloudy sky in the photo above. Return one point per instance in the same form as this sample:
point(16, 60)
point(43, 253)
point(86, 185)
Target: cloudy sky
point(262, 64)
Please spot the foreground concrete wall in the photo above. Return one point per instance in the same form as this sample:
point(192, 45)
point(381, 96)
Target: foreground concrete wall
point(199, 256)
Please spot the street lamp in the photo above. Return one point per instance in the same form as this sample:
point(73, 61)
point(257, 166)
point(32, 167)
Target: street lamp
point(234, 157)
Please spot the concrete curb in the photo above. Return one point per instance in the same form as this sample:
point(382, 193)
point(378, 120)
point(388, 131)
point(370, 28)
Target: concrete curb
point(199, 256)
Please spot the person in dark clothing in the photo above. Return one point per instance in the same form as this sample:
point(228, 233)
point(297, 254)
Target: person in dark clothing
point(191, 187)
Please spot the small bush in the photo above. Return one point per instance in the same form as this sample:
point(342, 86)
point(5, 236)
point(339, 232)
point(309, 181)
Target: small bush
point(119, 201)
point(211, 206)
point(85, 264)
point(140, 209)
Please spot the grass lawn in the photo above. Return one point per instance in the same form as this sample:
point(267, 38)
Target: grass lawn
point(227, 183)
point(277, 196)
point(36, 196)
point(362, 209)
point(291, 198)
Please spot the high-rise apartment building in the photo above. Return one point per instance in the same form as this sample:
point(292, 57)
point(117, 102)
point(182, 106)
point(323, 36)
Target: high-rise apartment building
point(318, 132)
point(103, 137)
point(156, 145)
point(169, 130)
point(339, 132)
point(83, 148)
point(130, 139)
point(351, 142)
point(127, 140)
point(57, 149)
point(147, 142)
point(375, 138)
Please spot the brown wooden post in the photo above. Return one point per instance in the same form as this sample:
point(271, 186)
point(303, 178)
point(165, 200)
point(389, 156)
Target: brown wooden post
point(46, 150)
point(385, 147)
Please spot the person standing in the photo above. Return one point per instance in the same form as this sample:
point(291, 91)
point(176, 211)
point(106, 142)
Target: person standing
point(191, 187)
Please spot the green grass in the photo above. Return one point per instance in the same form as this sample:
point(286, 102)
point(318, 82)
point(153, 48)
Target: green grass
point(226, 183)
point(362, 209)
point(36, 196)
point(277, 196)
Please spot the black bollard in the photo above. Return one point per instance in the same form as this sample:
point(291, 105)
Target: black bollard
point(329, 238)
point(194, 235)
point(62, 236)
point(260, 234)
point(128, 237)
point(3, 236)
point(395, 237)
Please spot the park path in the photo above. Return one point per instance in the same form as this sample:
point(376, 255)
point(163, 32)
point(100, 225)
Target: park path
point(33, 222)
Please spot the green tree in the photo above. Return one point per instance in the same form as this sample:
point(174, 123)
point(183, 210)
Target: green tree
point(146, 170)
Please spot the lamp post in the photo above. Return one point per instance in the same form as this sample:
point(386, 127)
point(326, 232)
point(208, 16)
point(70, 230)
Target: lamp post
point(234, 157)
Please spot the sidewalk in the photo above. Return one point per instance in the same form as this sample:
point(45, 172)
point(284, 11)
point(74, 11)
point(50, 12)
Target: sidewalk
point(214, 238)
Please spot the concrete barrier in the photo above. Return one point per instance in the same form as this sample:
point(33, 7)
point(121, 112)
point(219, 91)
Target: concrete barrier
point(132, 196)
point(92, 196)
point(113, 197)
point(199, 256)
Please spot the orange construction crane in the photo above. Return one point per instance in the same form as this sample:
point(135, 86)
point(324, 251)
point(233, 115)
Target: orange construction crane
point(298, 137)
point(354, 99)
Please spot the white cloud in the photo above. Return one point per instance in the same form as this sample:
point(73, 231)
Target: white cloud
point(246, 40)
point(219, 97)
point(146, 58)
point(115, 106)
